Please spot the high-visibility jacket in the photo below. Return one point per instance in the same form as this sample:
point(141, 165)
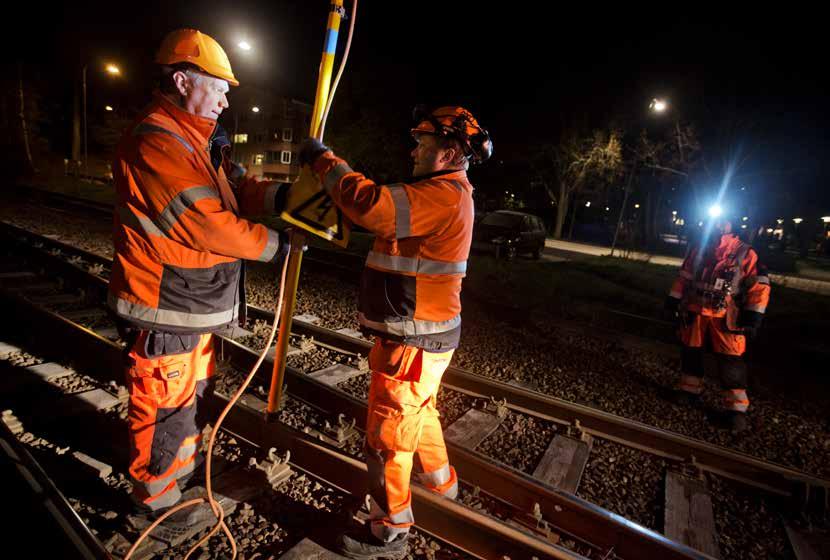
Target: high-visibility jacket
point(177, 233)
point(721, 281)
point(411, 285)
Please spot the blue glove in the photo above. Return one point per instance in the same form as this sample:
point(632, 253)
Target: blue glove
point(310, 150)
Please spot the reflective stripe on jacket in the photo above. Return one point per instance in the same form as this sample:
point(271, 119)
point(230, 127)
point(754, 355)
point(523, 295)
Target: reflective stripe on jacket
point(411, 285)
point(177, 234)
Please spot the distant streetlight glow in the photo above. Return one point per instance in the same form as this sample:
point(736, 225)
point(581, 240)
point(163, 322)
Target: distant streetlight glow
point(244, 45)
point(608, 210)
point(769, 230)
point(658, 105)
point(798, 220)
point(715, 211)
point(588, 204)
point(636, 206)
point(743, 226)
point(113, 69)
point(745, 218)
point(780, 221)
point(674, 212)
point(255, 109)
point(700, 224)
point(108, 108)
point(825, 219)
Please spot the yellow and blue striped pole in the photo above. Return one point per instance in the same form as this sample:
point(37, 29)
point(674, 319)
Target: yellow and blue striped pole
point(295, 255)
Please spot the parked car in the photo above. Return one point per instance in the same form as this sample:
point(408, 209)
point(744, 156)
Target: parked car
point(507, 233)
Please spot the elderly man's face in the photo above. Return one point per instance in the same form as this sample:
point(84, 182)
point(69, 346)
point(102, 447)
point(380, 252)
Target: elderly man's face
point(203, 95)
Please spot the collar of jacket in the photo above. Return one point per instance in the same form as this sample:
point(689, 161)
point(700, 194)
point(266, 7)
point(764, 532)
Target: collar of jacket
point(458, 172)
point(200, 128)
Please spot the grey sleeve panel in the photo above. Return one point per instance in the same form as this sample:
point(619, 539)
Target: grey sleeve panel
point(147, 128)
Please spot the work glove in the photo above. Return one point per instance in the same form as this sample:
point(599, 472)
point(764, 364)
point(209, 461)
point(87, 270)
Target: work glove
point(750, 321)
point(670, 308)
point(310, 150)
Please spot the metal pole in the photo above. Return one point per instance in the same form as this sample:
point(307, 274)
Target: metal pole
point(295, 255)
point(86, 153)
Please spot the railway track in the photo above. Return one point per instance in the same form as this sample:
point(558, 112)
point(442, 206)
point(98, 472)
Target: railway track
point(538, 507)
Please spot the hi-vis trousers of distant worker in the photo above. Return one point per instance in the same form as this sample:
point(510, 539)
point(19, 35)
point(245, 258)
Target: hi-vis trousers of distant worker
point(728, 347)
point(165, 433)
point(403, 421)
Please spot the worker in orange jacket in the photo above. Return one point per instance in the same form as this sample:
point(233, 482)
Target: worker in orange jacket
point(410, 302)
point(177, 276)
point(720, 296)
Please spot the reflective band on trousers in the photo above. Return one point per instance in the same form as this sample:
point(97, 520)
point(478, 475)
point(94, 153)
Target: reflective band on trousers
point(156, 486)
point(166, 500)
point(691, 384)
point(168, 317)
point(333, 177)
point(147, 128)
point(402, 211)
point(756, 308)
point(436, 478)
point(386, 528)
point(736, 400)
point(410, 327)
point(414, 265)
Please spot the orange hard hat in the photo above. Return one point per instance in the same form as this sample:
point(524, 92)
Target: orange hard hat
point(194, 47)
point(455, 122)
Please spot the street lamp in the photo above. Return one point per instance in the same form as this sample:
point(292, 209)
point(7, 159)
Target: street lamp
point(658, 105)
point(244, 45)
point(108, 108)
point(110, 69)
point(797, 221)
point(255, 109)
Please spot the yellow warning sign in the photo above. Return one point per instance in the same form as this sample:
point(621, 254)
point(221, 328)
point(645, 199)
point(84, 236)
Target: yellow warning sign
point(310, 208)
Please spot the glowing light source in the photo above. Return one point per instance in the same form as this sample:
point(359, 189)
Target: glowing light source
point(244, 45)
point(674, 212)
point(658, 105)
point(636, 206)
point(107, 108)
point(780, 221)
point(588, 204)
point(112, 69)
point(825, 219)
point(745, 218)
point(255, 109)
point(715, 211)
point(743, 226)
point(769, 230)
point(798, 220)
point(607, 209)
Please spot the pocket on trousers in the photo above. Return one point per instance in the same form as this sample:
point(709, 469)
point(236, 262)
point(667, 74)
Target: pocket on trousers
point(389, 429)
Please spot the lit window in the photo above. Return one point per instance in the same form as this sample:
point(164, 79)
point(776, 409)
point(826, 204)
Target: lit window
point(258, 159)
point(285, 157)
point(287, 134)
point(240, 138)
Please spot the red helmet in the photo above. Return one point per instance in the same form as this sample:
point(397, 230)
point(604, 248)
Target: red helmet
point(455, 122)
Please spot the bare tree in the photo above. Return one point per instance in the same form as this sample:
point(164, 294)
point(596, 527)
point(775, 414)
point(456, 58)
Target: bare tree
point(580, 160)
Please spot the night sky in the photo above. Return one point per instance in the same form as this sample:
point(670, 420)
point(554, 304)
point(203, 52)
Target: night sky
point(523, 68)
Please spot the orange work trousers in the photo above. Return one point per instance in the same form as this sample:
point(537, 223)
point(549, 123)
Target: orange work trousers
point(705, 331)
point(165, 432)
point(403, 421)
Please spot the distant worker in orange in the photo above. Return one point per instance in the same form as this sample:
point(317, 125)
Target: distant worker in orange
point(720, 296)
point(177, 275)
point(410, 302)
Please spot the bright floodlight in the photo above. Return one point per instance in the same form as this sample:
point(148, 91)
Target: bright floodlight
point(244, 45)
point(108, 108)
point(255, 109)
point(113, 69)
point(798, 220)
point(658, 105)
point(825, 219)
point(715, 211)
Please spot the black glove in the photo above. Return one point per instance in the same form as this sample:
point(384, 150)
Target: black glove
point(310, 150)
point(670, 308)
point(750, 321)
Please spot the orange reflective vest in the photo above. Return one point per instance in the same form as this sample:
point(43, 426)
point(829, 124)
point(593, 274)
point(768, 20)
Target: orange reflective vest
point(411, 286)
point(721, 281)
point(177, 234)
